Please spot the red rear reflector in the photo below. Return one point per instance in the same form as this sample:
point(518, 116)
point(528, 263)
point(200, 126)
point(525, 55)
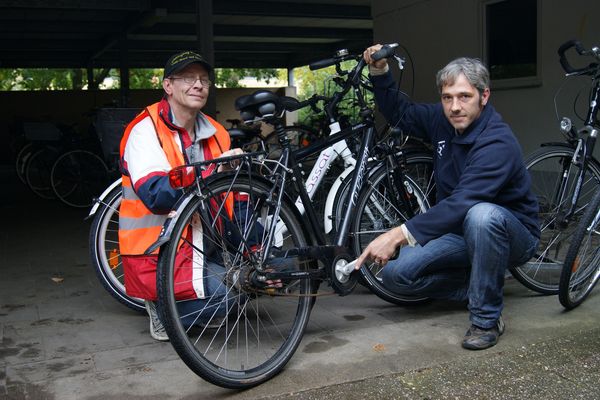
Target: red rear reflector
point(181, 177)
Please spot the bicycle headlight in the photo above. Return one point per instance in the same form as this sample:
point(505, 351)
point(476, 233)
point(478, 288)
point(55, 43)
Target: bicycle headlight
point(565, 125)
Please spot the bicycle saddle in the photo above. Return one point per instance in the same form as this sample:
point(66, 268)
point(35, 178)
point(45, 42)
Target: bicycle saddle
point(261, 103)
point(264, 104)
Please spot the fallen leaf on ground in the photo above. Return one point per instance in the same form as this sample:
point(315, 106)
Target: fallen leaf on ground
point(379, 347)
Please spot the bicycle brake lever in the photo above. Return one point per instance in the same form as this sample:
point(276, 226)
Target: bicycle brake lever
point(401, 61)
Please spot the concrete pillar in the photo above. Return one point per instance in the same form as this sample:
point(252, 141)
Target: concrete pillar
point(124, 73)
point(204, 32)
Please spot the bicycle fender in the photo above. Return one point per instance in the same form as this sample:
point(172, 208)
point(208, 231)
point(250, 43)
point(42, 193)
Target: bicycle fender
point(558, 144)
point(102, 197)
point(167, 229)
point(328, 213)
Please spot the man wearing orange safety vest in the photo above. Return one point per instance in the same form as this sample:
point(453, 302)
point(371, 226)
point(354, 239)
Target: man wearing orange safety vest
point(165, 135)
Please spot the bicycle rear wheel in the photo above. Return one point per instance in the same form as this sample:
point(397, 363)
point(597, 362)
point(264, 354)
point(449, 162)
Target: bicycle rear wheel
point(553, 180)
point(376, 213)
point(77, 177)
point(581, 269)
point(104, 250)
point(260, 328)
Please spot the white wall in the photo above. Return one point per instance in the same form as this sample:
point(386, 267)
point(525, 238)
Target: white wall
point(436, 31)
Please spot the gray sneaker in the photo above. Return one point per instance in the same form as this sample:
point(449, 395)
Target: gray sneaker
point(157, 330)
point(478, 338)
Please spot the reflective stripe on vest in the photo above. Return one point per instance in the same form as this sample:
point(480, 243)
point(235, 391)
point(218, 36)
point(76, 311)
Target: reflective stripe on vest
point(138, 226)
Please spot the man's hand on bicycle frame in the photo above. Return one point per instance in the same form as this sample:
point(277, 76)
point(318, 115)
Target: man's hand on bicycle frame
point(382, 248)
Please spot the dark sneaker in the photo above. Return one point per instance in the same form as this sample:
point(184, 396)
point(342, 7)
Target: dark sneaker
point(157, 330)
point(478, 338)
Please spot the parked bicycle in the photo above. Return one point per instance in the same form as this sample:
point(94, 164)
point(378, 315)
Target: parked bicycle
point(275, 259)
point(565, 176)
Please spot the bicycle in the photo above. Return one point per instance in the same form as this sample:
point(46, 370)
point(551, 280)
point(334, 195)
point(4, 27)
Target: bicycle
point(564, 176)
point(274, 264)
point(581, 269)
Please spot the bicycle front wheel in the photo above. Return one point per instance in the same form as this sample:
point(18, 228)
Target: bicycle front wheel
point(104, 250)
point(581, 269)
point(78, 176)
point(243, 332)
point(553, 181)
point(377, 212)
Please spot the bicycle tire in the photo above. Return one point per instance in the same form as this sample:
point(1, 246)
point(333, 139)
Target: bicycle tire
point(250, 316)
point(376, 214)
point(581, 269)
point(37, 172)
point(104, 250)
point(545, 165)
point(77, 177)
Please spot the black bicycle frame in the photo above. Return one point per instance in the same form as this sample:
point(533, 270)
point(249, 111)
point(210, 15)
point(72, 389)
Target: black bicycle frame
point(584, 151)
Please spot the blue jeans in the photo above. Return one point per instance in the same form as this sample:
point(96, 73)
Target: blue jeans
point(469, 267)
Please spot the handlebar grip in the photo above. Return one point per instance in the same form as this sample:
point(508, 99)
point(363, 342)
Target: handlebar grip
point(386, 51)
point(563, 58)
point(322, 64)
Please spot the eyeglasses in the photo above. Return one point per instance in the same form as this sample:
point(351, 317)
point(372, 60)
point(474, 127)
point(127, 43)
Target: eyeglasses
point(190, 80)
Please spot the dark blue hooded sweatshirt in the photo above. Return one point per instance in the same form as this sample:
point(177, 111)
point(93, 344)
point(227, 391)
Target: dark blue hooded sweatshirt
point(483, 164)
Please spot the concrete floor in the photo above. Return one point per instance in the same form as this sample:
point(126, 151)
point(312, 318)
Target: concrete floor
point(66, 338)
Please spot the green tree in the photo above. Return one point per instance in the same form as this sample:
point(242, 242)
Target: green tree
point(323, 82)
point(145, 78)
point(231, 77)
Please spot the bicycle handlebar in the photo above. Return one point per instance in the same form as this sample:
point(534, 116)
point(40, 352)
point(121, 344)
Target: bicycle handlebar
point(342, 55)
point(569, 69)
point(386, 51)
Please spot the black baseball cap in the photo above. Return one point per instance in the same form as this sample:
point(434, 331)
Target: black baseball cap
point(181, 60)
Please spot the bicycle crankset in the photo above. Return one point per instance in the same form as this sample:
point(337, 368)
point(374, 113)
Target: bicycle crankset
point(343, 276)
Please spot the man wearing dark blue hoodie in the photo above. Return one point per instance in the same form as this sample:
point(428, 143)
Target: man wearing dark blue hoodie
point(485, 216)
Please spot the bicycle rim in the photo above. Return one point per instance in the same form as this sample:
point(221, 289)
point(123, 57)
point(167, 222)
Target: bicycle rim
point(21, 160)
point(77, 177)
point(582, 264)
point(104, 251)
point(547, 168)
point(256, 331)
point(376, 214)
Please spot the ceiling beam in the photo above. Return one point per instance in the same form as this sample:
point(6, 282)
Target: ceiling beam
point(116, 5)
point(257, 31)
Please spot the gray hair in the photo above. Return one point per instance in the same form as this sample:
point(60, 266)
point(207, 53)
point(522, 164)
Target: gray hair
point(472, 68)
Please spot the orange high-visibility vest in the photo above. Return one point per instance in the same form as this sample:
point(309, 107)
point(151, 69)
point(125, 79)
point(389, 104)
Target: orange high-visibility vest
point(143, 227)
